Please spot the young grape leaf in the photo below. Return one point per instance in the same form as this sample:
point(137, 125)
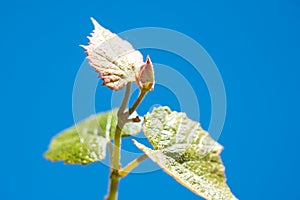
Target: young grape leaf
point(186, 152)
point(116, 61)
point(86, 142)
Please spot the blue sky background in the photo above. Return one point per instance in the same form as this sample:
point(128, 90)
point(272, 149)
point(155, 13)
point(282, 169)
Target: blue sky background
point(255, 45)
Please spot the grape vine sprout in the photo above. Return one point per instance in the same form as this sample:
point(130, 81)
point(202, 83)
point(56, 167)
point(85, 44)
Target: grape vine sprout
point(180, 147)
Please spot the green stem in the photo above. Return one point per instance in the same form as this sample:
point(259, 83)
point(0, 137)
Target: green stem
point(123, 172)
point(113, 190)
point(114, 175)
point(115, 160)
point(115, 163)
point(138, 101)
point(125, 99)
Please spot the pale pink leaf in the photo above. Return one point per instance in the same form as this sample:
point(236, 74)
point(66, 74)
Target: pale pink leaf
point(115, 59)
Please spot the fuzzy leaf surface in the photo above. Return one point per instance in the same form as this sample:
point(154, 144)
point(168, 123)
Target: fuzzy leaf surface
point(86, 142)
point(186, 152)
point(115, 59)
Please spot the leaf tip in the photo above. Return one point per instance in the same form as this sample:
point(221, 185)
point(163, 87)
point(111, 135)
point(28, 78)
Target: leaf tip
point(148, 60)
point(95, 23)
point(134, 141)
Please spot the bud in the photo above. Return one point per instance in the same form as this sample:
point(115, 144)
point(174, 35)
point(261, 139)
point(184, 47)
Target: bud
point(145, 77)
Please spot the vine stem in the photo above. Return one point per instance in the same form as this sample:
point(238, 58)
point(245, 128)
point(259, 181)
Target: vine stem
point(137, 101)
point(114, 174)
point(115, 159)
point(125, 100)
point(128, 168)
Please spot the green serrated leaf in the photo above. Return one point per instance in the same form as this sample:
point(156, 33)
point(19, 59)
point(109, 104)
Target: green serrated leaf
point(186, 152)
point(86, 142)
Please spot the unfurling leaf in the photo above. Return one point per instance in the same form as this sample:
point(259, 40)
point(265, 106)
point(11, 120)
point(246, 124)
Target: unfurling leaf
point(86, 142)
point(186, 152)
point(116, 61)
point(145, 77)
